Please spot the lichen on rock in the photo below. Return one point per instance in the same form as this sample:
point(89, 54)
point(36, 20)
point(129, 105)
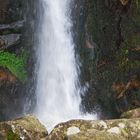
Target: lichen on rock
point(135, 113)
point(25, 128)
point(119, 129)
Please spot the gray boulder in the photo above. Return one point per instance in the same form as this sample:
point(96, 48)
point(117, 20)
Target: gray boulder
point(25, 128)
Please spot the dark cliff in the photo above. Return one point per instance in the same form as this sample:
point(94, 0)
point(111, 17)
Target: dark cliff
point(107, 34)
point(109, 46)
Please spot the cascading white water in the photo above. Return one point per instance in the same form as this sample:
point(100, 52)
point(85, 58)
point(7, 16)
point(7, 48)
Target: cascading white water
point(58, 94)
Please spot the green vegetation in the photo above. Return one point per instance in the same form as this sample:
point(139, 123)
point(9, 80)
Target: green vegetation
point(15, 64)
point(12, 136)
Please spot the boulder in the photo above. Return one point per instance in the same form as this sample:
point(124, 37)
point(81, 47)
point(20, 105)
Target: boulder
point(120, 129)
point(25, 128)
point(134, 113)
point(95, 135)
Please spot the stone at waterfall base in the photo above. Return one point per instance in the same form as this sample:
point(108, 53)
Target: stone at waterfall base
point(25, 128)
point(29, 128)
point(134, 113)
point(119, 129)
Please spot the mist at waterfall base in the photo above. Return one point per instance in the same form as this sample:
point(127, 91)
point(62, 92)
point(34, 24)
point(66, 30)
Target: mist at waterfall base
point(58, 88)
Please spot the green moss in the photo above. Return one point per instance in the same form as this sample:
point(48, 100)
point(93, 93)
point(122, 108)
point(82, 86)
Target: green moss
point(123, 63)
point(12, 136)
point(15, 64)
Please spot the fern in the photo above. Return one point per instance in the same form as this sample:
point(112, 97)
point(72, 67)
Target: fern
point(15, 64)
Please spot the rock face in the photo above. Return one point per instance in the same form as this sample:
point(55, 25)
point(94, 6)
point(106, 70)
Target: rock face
point(14, 27)
point(9, 97)
point(124, 2)
point(12, 47)
point(7, 41)
point(10, 11)
point(121, 129)
point(25, 128)
point(111, 65)
point(6, 76)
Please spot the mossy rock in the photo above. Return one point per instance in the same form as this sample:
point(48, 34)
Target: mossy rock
point(95, 135)
point(28, 128)
point(134, 113)
point(123, 129)
point(12, 136)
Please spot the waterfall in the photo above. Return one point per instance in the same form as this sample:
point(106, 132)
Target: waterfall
point(57, 89)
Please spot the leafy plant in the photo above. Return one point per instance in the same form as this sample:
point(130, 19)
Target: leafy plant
point(14, 64)
point(12, 136)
